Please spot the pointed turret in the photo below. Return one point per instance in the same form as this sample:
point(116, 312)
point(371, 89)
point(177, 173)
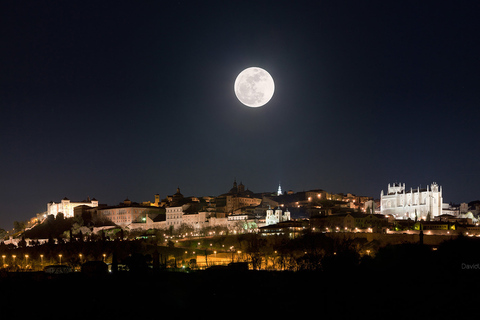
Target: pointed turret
point(279, 191)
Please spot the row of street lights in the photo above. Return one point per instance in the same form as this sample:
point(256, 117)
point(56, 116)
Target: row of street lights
point(14, 257)
point(26, 257)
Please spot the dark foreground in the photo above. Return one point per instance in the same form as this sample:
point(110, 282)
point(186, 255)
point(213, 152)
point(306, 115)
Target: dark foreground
point(227, 293)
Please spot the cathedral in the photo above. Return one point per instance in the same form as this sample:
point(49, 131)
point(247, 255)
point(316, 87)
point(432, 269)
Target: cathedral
point(421, 204)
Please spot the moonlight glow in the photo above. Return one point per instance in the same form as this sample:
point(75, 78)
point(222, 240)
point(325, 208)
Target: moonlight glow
point(254, 87)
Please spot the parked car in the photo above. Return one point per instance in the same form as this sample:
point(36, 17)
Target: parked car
point(57, 269)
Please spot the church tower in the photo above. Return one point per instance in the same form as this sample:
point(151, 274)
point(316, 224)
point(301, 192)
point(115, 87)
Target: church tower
point(270, 218)
point(241, 188)
point(279, 191)
point(278, 215)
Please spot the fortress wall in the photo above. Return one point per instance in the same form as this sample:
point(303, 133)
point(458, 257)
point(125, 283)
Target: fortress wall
point(396, 238)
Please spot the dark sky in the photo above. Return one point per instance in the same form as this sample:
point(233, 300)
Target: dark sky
point(127, 98)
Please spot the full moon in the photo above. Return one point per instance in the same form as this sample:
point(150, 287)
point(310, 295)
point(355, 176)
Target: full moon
point(254, 87)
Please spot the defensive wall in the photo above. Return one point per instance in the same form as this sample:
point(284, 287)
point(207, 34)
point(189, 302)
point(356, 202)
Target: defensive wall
point(394, 238)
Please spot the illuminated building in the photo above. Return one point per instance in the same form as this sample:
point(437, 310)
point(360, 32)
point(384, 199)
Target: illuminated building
point(277, 216)
point(128, 213)
point(237, 198)
point(153, 204)
point(197, 220)
point(174, 216)
point(423, 204)
point(149, 222)
point(67, 207)
point(290, 228)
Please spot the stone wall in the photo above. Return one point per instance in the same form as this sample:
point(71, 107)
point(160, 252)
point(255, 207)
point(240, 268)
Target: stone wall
point(396, 238)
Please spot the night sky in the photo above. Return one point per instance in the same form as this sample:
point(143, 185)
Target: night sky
point(128, 99)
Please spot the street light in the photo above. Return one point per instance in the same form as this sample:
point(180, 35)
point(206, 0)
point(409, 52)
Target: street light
point(41, 259)
point(60, 256)
point(26, 261)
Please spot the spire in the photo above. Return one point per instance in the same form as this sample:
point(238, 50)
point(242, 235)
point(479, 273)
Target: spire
point(279, 191)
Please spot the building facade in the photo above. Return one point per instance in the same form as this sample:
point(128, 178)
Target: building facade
point(274, 217)
point(126, 214)
point(196, 220)
point(421, 204)
point(174, 216)
point(67, 207)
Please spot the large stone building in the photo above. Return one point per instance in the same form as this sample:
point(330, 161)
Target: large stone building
point(237, 199)
point(274, 217)
point(67, 207)
point(196, 220)
point(424, 204)
point(127, 213)
point(174, 216)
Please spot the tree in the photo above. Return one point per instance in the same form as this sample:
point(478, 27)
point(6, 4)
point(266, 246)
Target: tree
point(18, 226)
point(170, 244)
point(22, 243)
point(185, 229)
point(429, 216)
point(78, 220)
point(114, 262)
point(137, 263)
point(155, 258)
point(252, 244)
point(51, 241)
point(80, 236)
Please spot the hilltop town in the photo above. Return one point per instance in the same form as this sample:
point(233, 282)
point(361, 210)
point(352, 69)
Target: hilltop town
point(239, 210)
point(286, 240)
